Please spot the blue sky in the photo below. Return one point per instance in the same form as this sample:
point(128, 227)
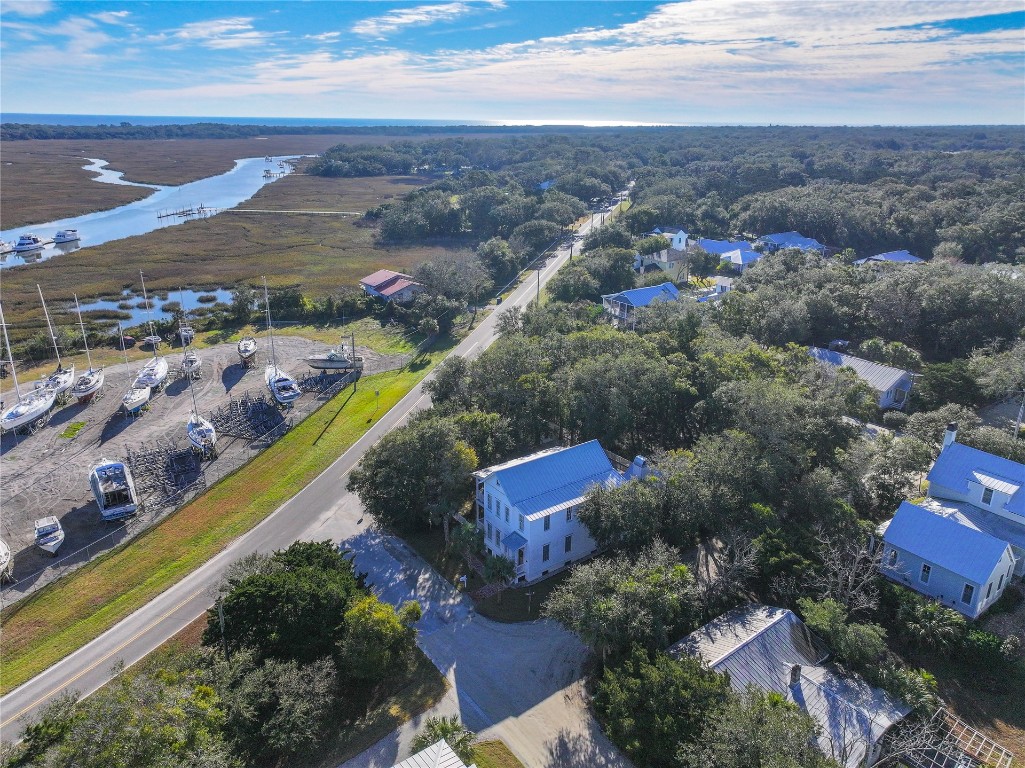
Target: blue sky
point(688, 62)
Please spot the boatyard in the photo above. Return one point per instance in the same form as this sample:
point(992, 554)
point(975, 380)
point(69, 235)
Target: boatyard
point(47, 472)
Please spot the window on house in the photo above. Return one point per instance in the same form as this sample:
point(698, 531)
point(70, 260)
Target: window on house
point(926, 572)
point(548, 522)
point(569, 514)
point(507, 513)
point(1001, 582)
point(488, 537)
point(569, 543)
point(989, 590)
point(967, 594)
point(544, 553)
point(987, 496)
point(891, 559)
point(489, 502)
point(521, 522)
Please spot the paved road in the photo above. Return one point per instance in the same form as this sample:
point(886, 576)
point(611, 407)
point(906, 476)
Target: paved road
point(532, 699)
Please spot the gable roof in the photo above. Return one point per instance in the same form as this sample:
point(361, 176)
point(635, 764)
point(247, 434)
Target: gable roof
point(438, 755)
point(551, 480)
point(878, 376)
point(667, 230)
point(642, 297)
point(741, 256)
point(760, 645)
point(960, 549)
point(792, 240)
point(895, 257)
point(398, 285)
point(719, 247)
point(959, 464)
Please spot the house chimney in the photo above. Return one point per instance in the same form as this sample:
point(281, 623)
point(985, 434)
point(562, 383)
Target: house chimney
point(795, 675)
point(950, 436)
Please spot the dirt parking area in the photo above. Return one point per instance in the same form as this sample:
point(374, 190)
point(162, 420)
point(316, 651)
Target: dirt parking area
point(47, 473)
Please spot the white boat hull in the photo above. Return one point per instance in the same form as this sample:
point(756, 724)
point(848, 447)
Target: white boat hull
point(247, 348)
point(88, 384)
point(201, 433)
point(61, 380)
point(31, 407)
point(66, 236)
point(152, 374)
point(281, 385)
point(135, 399)
point(333, 361)
point(114, 489)
point(49, 534)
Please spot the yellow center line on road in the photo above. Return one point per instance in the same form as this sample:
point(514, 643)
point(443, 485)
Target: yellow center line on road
point(99, 661)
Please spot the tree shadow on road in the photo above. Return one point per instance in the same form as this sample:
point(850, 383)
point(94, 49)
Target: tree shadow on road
point(577, 750)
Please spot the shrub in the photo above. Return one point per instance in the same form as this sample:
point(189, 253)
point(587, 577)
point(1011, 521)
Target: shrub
point(895, 420)
point(983, 649)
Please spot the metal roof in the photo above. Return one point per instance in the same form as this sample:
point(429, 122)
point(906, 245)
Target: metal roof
point(980, 519)
point(380, 277)
point(551, 480)
point(792, 240)
point(719, 247)
point(945, 541)
point(761, 645)
point(742, 256)
point(398, 285)
point(959, 464)
point(438, 755)
point(895, 257)
point(642, 297)
point(514, 541)
point(878, 376)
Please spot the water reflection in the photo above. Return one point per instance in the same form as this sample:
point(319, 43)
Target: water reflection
point(133, 305)
point(207, 196)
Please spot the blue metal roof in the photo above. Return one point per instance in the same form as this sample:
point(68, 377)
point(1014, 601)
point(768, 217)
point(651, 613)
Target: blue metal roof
point(719, 247)
point(895, 257)
point(642, 297)
point(742, 256)
point(959, 464)
point(514, 541)
point(553, 478)
point(946, 542)
point(792, 240)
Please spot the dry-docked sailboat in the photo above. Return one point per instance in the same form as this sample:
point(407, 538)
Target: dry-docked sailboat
point(152, 374)
point(136, 397)
point(49, 534)
point(90, 382)
point(32, 406)
point(63, 379)
point(281, 385)
point(6, 562)
point(191, 364)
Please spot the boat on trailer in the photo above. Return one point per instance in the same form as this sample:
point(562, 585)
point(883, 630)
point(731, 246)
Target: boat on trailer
point(32, 407)
point(63, 379)
point(134, 399)
point(154, 371)
point(114, 489)
point(49, 534)
point(339, 359)
point(90, 382)
point(282, 387)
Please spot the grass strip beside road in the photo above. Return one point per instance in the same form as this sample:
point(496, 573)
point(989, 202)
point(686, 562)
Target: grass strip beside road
point(63, 616)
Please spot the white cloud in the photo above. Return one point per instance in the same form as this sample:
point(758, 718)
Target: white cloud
point(324, 37)
point(26, 7)
point(228, 33)
point(379, 27)
point(111, 17)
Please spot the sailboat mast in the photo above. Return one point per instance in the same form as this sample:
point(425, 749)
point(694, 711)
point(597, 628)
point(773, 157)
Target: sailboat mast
point(85, 339)
point(149, 310)
point(270, 326)
point(10, 353)
point(49, 325)
point(181, 323)
point(121, 334)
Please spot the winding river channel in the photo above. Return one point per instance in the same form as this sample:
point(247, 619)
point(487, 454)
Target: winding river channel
point(205, 197)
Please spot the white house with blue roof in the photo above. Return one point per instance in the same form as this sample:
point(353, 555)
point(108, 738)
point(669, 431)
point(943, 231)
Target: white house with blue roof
point(779, 240)
point(675, 235)
point(741, 258)
point(527, 507)
point(721, 247)
point(772, 649)
point(621, 306)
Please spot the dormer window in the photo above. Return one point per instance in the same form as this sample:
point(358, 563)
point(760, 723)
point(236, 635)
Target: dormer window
point(987, 495)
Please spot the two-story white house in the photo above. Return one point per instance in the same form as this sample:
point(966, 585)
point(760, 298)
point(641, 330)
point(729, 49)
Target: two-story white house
point(622, 306)
point(527, 507)
point(966, 541)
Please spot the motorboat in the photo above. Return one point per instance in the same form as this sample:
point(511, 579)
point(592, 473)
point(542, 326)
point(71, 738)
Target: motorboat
point(66, 236)
point(90, 382)
point(6, 562)
point(135, 398)
point(114, 489)
point(283, 387)
point(191, 364)
point(6, 247)
point(152, 374)
point(335, 360)
point(30, 242)
point(49, 534)
point(32, 407)
point(63, 379)
point(246, 347)
point(153, 341)
point(201, 434)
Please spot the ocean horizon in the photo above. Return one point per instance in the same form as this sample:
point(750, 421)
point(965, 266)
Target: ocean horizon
point(38, 118)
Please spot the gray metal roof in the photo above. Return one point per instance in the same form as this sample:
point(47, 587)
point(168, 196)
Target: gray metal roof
point(878, 376)
point(438, 755)
point(760, 645)
point(945, 541)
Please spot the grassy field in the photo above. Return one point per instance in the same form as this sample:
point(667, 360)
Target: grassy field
point(494, 754)
point(318, 253)
point(65, 615)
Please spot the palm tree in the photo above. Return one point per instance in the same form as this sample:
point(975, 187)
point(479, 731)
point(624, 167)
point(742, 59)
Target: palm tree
point(929, 625)
point(449, 729)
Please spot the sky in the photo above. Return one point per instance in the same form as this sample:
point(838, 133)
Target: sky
point(813, 62)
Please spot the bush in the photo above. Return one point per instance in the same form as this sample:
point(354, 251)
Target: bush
point(895, 420)
point(1008, 602)
point(982, 649)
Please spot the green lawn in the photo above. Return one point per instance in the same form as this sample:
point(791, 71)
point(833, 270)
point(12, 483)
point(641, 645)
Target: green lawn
point(58, 619)
point(494, 754)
